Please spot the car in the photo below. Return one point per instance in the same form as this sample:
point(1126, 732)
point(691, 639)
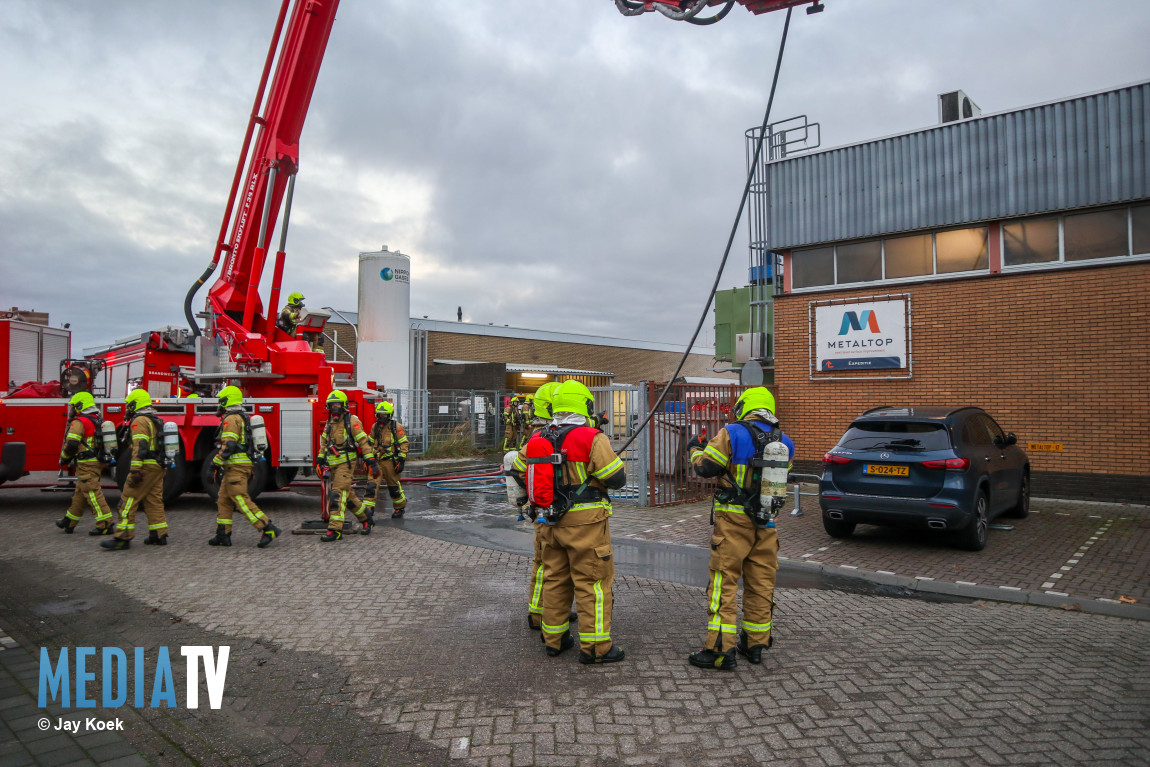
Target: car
point(936, 468)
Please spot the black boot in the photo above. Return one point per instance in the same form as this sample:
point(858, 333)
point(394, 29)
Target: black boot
point(331, 535)
point(566, 642)
point(398, 513)
point(753, 653)
point(368, 523)
point(156, 540)
point(101, 530)
point(713, 659)
point(531, 621)
point(614, 655)
point(223, 536)
point(270, 532)
point(116, 544)
point(64, 524)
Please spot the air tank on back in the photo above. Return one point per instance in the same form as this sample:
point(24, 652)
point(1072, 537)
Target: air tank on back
point(384, 319)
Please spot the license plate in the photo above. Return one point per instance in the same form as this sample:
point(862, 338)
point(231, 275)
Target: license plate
point(886, 469)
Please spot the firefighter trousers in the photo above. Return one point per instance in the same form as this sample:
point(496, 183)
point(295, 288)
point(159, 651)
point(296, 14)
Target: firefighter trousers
point(739, 549)
point(390, 479)
point(234, 495)
point(577, 561)
point(535, 585)
point(89, 495)
point(342, 497)
point(149, 494)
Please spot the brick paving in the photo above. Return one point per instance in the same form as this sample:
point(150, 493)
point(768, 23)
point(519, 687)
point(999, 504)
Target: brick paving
point(401, 649)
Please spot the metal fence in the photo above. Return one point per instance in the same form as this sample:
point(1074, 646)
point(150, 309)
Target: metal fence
point(447, 422)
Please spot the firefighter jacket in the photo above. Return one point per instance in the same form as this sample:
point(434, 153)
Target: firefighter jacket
point(289, 318)
point(728, 456)
point(389, 440)
point(82, 441)
point(602, 470)
point(342, 439)
point(235, 441)
point(146, 436)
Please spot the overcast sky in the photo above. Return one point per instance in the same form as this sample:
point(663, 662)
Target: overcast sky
point(547, 164)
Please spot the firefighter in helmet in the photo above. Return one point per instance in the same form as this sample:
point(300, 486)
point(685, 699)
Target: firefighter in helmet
point(745, 543)
point(575, 539)
point(145, 483)
point(232, 471)
point(291, 313)
point(342, 442)
point(389, 440)
point(83, 445)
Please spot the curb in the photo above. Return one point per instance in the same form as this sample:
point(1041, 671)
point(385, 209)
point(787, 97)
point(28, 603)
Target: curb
point(922, 585)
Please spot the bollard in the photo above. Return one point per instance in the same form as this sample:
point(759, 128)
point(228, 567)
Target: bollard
point(797, 511)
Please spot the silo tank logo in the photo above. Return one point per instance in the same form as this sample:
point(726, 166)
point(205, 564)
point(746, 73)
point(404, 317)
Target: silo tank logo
point(389, 274)
point(385, 273)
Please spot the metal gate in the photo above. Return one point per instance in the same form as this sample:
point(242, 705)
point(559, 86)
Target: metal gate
point(449, 422)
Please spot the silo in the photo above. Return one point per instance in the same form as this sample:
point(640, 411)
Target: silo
point(384, 319)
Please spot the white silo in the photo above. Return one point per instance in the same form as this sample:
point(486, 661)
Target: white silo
point(384, 319)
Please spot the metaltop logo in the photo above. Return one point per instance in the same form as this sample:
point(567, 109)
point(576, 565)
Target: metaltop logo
point(853, 321)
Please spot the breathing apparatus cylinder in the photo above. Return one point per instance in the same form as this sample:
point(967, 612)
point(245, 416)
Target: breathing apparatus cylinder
point(108, 438)
point(259, 433)
point(513, 491)
point(171, 441)
point(776, 458)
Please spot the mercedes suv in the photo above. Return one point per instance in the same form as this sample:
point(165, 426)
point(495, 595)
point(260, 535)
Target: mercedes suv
point(938, 468)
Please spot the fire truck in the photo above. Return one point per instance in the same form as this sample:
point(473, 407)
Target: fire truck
point(284, 378)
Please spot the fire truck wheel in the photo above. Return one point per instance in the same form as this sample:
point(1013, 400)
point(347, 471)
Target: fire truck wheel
point(175, 480)
point(256, 484)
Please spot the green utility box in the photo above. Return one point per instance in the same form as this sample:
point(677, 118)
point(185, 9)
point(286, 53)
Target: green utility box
point(732, 316)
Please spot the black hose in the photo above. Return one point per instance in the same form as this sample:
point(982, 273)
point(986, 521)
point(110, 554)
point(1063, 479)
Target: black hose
point(712, 19)
point(730, 239)
point(192, 294)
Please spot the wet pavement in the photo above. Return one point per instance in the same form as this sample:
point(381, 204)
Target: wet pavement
point(409, 647)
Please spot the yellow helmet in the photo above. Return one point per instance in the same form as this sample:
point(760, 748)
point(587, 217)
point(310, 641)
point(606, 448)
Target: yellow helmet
point(572, 397)
point(337, 396)
point(81, 401)
point(137, 399)
point(296, 299)
point(755, 398)
point(543, 399)
point(384, 408)
point(230, 396)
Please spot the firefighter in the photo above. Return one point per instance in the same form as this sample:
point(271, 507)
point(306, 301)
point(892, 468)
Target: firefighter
point(389, 441)
point(510, 427)
point(575, 539)
point(745, 542)
point(145, 483)
point(289, 316)
point(232, 470)
point(342, 442)
point(84, 446)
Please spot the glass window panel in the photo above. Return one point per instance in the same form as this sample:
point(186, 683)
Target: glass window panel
point(909, 256)
point(860, 262)
point(1140, 218)
point(962, 250)
point(1100, 234)
point(1030, 242)
point(813, 267)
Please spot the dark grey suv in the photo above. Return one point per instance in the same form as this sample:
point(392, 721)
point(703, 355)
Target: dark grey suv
point(940, 468)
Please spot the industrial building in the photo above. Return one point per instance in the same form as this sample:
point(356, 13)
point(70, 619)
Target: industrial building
point(996, 260)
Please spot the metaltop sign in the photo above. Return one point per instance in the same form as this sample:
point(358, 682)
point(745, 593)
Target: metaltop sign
point(863, 336)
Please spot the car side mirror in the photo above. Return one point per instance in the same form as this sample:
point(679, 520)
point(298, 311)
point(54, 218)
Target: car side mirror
point(1011, 439)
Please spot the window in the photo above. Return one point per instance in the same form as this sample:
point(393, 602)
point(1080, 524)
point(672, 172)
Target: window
point(895, 435)
point(1099, 234)
point(974, 433)
point(1033, 241)
point(909, 256)
point(962, 250)
point(992, 428)
point(1140, 223)
point(813, 267)
point(859, 262)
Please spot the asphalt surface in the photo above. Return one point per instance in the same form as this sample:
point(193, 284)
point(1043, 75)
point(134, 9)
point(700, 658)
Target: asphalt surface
point(409, 646)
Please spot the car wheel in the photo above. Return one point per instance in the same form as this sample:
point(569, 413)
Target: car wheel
point(973, 536)
point(837, 528)
point(1021, 510)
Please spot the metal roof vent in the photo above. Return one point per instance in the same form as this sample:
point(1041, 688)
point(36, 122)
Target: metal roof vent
point(956, 105)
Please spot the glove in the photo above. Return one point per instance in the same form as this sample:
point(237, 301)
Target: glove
point(64, 462)
point(321, 462)
point(135, 477)
point(372, 468)
point(217, 473)
point(399, 463)
point(696, 443)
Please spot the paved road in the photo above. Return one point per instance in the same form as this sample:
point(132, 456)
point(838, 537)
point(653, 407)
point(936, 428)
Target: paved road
point(403, 649)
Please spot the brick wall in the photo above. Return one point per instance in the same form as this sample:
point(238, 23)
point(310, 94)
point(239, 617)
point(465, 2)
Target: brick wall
point(1055, 356)
point(629, 365)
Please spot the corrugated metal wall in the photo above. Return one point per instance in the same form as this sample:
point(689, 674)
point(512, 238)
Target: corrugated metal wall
point(1085, 151)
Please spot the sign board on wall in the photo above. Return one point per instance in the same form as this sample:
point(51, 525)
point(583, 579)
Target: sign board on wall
point(865, 335)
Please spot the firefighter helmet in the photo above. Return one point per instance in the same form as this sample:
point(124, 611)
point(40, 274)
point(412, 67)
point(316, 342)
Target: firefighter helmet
point(755, 398)
point(137, 399)
point(543, 399)
point(82, 401)
point(296, 299)
point(572, 397)
point(384, 410)
point(230, 396)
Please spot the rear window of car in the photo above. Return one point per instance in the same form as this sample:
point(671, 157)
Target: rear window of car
point(895, 435)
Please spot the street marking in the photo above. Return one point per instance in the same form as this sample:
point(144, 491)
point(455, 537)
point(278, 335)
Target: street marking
point(1058, 593)
point(966, 583)
point(1078, 555)
point(1011, 588)
point(885, 572)
point(922, 578)
point(848, 567)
